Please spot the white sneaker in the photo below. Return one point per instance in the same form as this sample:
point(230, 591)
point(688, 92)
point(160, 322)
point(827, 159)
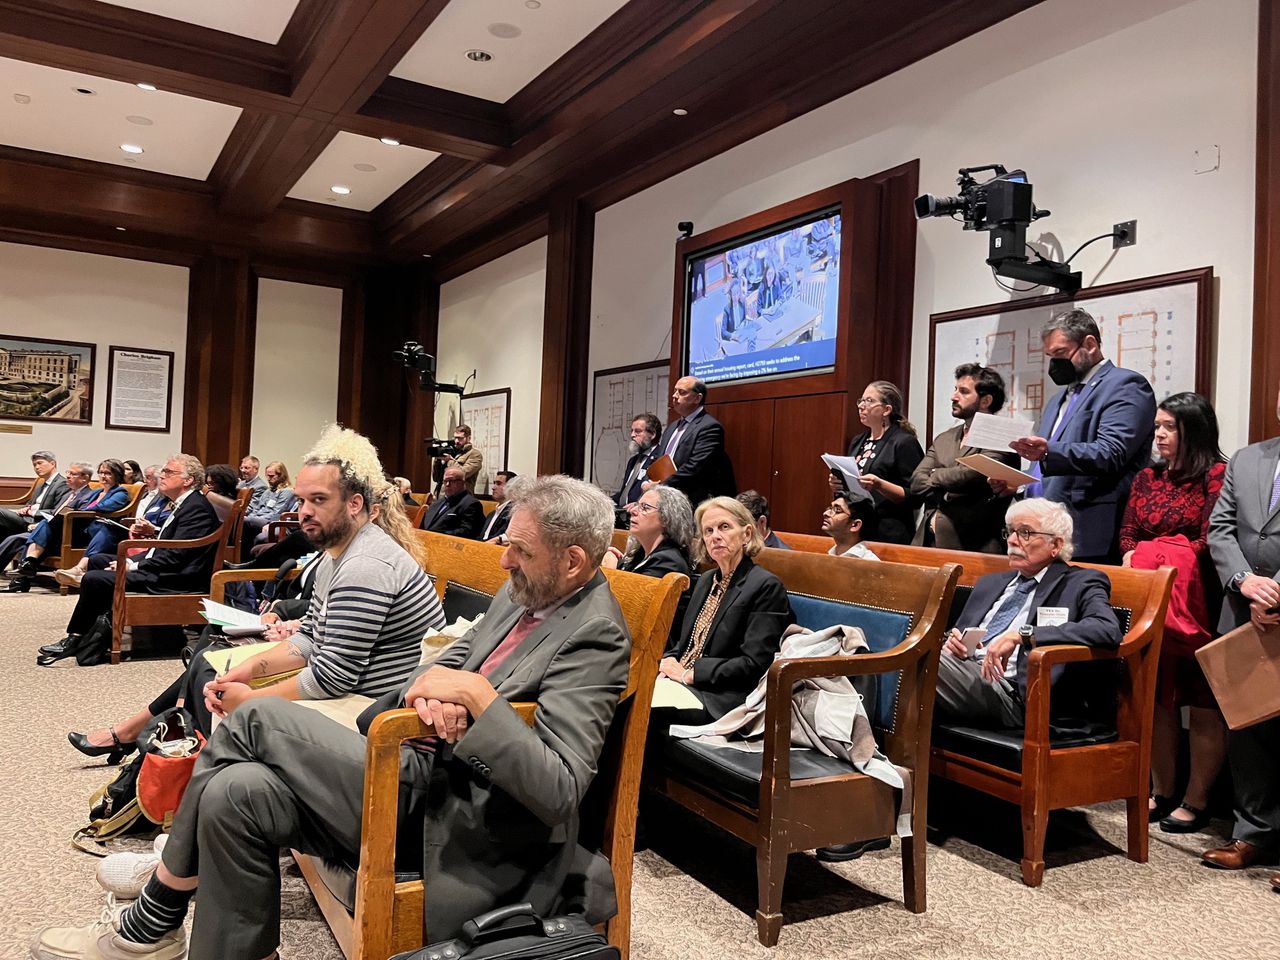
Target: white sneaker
point(102, 941)
point(123, 875)
point(70, 577)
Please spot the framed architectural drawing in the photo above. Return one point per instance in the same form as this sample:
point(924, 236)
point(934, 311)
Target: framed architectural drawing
point(139, 389)
point(619, 396)
point(1159, 326)
point(47, 380)
point(489, 415)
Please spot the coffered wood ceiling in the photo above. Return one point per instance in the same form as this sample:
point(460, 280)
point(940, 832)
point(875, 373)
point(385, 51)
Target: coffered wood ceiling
point(594, 124)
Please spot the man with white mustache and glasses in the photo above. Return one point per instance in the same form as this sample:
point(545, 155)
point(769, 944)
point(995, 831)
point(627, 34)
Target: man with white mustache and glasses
point(982, 675)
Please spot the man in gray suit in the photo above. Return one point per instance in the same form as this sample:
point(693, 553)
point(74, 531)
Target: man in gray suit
point(494, 802)
point(49, 491)
point(1244, 539)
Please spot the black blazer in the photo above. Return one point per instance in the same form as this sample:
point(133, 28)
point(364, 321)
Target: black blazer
point(667, 557)
point(1079, 690)
point(703, 468)
point(895, 460)
point(185, 571)
point(744, 636)
point(501, 519)
point(58, 490)
point(627, 494)
point(463, 517)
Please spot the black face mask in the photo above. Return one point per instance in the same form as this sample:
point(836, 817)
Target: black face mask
point(1062, 371)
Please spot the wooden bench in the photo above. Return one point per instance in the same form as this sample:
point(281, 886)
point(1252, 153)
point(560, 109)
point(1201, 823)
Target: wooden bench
point(382, 914)
point(1038, 770)
point(792, 799)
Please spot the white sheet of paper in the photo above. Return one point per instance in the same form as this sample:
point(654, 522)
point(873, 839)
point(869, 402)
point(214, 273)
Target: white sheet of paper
point(225, 616)
point(989, 432)
point(993, 468)
point(668, 693)
point(847, 466)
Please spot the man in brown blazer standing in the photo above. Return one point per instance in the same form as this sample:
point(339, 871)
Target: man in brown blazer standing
point(961, 512)
point(468, 459)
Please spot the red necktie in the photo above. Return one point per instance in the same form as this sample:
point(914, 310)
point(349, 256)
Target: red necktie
point(524, 626)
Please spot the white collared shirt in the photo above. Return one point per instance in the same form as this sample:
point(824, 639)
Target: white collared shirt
point(133, 564)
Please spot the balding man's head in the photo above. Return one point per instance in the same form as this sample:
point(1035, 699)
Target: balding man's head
point(452, 482)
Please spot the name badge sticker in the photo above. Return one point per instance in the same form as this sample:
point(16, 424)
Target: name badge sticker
point(1051, 616)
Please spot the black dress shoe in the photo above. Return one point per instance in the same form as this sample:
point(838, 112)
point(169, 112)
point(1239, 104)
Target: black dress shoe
point(1164, 806)
point(19, 584)
point(62, 647)
point(115, 751)
point(840, 852)
point(1199, 820)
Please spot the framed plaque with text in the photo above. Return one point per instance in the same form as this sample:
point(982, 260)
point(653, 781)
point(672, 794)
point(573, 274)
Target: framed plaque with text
point(139, 389)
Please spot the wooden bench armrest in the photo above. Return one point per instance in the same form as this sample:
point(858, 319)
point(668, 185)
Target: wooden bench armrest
point(277, 527)
point(218, 586)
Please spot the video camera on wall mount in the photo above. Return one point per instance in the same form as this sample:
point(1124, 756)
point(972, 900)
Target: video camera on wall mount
point(414, 356)
point(1001, 206)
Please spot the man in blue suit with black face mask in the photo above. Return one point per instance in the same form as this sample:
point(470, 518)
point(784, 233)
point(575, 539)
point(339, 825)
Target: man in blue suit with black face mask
point(1094, 434)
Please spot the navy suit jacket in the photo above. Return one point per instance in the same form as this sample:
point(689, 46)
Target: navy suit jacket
point(703, 468)
point(184, 571)
point(461, 518)
point(1084, 693)
point(1102, 445)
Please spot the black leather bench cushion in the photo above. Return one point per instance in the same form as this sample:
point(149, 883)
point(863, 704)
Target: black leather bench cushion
point(462, 601)
point(1003, 748)
point(737, 772)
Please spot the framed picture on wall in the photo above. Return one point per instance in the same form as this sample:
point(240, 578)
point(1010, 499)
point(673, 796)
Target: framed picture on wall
point(488, 414)
point(139, 389)
point(46, 380)
point(619, 396)
point(1160, 327)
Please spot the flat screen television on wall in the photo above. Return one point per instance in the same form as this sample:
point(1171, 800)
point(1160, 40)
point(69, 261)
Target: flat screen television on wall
point(762, 306)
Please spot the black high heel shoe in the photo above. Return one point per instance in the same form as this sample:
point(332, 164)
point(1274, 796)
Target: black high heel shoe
point(115, 751)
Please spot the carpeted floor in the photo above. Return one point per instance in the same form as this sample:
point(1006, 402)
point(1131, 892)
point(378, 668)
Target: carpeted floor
point(694, 893)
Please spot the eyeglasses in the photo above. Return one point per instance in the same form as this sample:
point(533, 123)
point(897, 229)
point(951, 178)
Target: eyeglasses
point(865, 402)
point(1024, 533)
point(646, 507)
point(166, 472)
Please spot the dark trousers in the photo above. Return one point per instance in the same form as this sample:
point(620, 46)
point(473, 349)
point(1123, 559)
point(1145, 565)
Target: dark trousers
point(98, 588)
point(189, 688)
point(10, 522)
point(1255, 771)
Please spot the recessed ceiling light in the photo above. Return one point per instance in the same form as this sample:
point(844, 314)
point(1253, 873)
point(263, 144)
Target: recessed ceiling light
point(121, 229)
point(479, 56)
point(504, 31)
point(390, 141)
point(140, 120)
point(339, 189)
point(21, 98)
point(533, 4)
point(365, 167)
point(131, 148)
point(680, 112)
point(426, 256)
point(85, 91)
point(148, 86)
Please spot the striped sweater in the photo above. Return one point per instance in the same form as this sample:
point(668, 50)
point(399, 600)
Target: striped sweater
point(369, 611)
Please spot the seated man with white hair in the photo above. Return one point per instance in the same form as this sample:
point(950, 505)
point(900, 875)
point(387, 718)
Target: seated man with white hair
point(1042, 600)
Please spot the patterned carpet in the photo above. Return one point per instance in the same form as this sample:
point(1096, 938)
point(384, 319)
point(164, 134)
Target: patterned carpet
point(694, 894)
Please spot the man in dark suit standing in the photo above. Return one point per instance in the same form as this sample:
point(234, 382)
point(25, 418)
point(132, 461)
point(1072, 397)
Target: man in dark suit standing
point(1042, 600)
point(157, 570)
point(1093, 437)
point(495, 801)
point(644, 437)
point(961, 510)
point(496, 524)
point(455, 512)
point(695, 441)
point(1244, 540)
point(49, 491)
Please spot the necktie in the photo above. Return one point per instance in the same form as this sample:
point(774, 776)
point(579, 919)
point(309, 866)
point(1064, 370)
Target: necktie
point(524, 626)
point(65, 504)
point(1037, 489)
point(1275, 492)
point(675, 437)
point(1009, 609)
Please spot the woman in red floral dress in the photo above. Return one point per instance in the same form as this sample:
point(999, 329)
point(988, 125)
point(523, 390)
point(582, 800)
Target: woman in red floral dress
point(1169, 501)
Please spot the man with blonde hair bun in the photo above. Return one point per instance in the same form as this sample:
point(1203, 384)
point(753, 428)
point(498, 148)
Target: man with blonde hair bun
point(982, 673)
point(494, 801)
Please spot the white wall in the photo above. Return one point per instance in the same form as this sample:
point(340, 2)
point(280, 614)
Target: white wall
point(295, 369)
point(1102, 103)
point(61, 295)
point(491, 322)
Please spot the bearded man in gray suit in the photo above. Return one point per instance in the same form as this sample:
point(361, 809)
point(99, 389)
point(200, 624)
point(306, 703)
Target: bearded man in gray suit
point(495, 801)
point(1244, 539)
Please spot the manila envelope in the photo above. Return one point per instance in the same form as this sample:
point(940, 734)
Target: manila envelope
point(1243, 668)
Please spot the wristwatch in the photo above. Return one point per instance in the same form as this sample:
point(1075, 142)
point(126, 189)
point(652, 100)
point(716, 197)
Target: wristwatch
point(1236, 582)
point(1027, 634)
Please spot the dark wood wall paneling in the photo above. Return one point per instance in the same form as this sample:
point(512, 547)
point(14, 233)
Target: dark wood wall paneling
point(1265, 378)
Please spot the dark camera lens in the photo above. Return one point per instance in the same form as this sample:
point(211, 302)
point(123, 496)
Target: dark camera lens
point(930, 206)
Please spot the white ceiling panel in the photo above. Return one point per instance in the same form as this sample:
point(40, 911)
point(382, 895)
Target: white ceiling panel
point(257, 19)
point(40, 109)
point(523, 36)
point(346, 162)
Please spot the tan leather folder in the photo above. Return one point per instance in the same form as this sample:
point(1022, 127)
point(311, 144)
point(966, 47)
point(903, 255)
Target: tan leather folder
point(1243, 668)
point(661, 468)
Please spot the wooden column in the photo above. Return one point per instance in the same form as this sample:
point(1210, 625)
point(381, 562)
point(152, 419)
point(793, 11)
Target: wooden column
point(566, 337)
point(1266, 258)
point(351, 353)
point(222, 316)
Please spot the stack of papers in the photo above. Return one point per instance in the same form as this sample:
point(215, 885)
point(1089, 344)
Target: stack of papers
point(234, 623)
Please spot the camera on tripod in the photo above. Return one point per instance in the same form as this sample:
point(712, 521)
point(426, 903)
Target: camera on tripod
point(414, 356)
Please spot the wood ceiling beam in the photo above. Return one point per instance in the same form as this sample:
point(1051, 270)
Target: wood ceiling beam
point(421, 116)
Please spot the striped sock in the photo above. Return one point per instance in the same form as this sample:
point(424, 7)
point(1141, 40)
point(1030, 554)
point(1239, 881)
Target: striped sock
point(159, 910)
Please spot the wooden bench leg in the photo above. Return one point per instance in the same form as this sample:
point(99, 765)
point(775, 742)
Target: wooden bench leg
point(913, 887)
point(1035, 822)
point(1136, 808)
point(771, 873)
